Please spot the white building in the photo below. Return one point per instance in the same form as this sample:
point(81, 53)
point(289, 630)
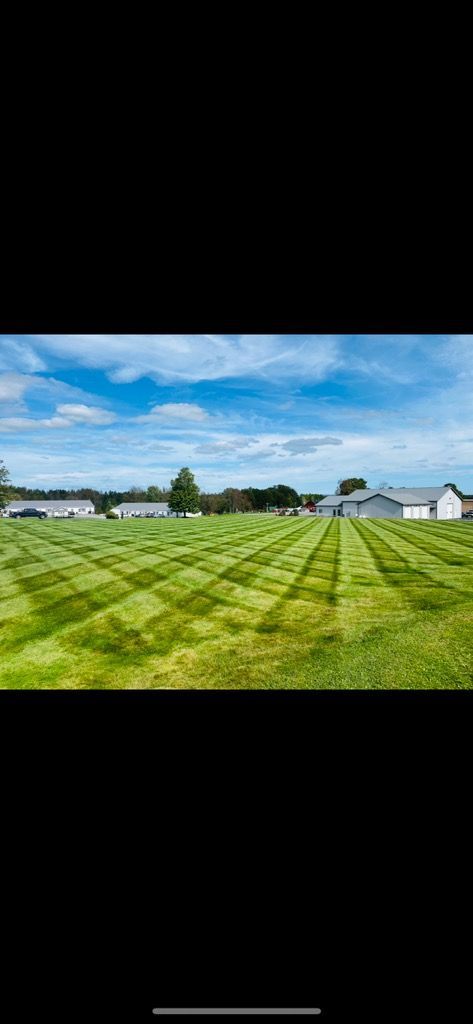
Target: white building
point(149, 509)
point(54, 508)
point(142, 509)
point(394, 503)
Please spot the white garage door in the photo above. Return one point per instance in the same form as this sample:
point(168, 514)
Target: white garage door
point(424, 512)
point(407, 511)
point(450, 510)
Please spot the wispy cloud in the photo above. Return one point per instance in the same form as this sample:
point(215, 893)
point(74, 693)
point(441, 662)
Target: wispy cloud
point(14, 386)
point(220, 447)
point(86, 414)
point(14, 423)
point(191, 358)
point(306, 445)
point(19, 356)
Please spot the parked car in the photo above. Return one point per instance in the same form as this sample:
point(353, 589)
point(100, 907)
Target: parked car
point(28, 513)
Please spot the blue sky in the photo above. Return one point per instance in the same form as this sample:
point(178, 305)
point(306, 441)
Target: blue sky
point(113, 411)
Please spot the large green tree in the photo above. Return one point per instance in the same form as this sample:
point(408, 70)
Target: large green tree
point(354, 483)
point(5, 485)
point(184, 495)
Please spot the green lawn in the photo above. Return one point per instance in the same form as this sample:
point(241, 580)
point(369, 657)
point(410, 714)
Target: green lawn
point(236, 602)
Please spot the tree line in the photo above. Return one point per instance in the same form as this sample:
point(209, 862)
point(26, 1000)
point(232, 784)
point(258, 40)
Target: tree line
point(181, 491)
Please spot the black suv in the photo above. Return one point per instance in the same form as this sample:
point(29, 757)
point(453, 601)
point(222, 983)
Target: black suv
point(27, 513)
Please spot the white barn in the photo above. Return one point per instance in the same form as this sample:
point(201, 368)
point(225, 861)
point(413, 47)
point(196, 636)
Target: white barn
point(54, 508)
point(394, 503)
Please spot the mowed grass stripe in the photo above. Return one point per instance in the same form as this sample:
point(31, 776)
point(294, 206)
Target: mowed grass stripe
point(371, 596)
point(445, 537)
point(429, 545)
point(424, 588)
point(389, 565)
point(440, 565)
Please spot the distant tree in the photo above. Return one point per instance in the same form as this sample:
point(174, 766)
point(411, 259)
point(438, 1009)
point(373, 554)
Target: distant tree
point(456, 489)
point(5, 485)
point(278, 496)
point(311, 497)
point(109, 499)
point(256, 497)
point(384, 486)
point(135, 494)
point(285, 496)
point(184, 495)
point(354, 483)
point(156, 494)
point(212, 503)
point(235, 500)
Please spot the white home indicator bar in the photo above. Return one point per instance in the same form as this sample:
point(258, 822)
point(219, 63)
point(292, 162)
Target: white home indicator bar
point(246, 1012)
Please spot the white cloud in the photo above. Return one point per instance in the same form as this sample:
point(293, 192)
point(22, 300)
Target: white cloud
point(13, 423)
point(178, 358)
point(18, 355)
point(86, 414)
point(13, 387)
point(68, 414)
point(174, 411)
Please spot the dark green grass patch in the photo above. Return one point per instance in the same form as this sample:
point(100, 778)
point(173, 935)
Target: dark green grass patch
point(236, 601)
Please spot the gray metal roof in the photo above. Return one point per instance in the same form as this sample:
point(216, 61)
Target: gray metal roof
point(143, 506)
point(331, 499)
point(403, 495)
point(40, 503)
point(431, 493)
point(361, 494)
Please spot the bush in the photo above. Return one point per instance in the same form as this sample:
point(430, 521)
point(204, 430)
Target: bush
point(111, 515)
